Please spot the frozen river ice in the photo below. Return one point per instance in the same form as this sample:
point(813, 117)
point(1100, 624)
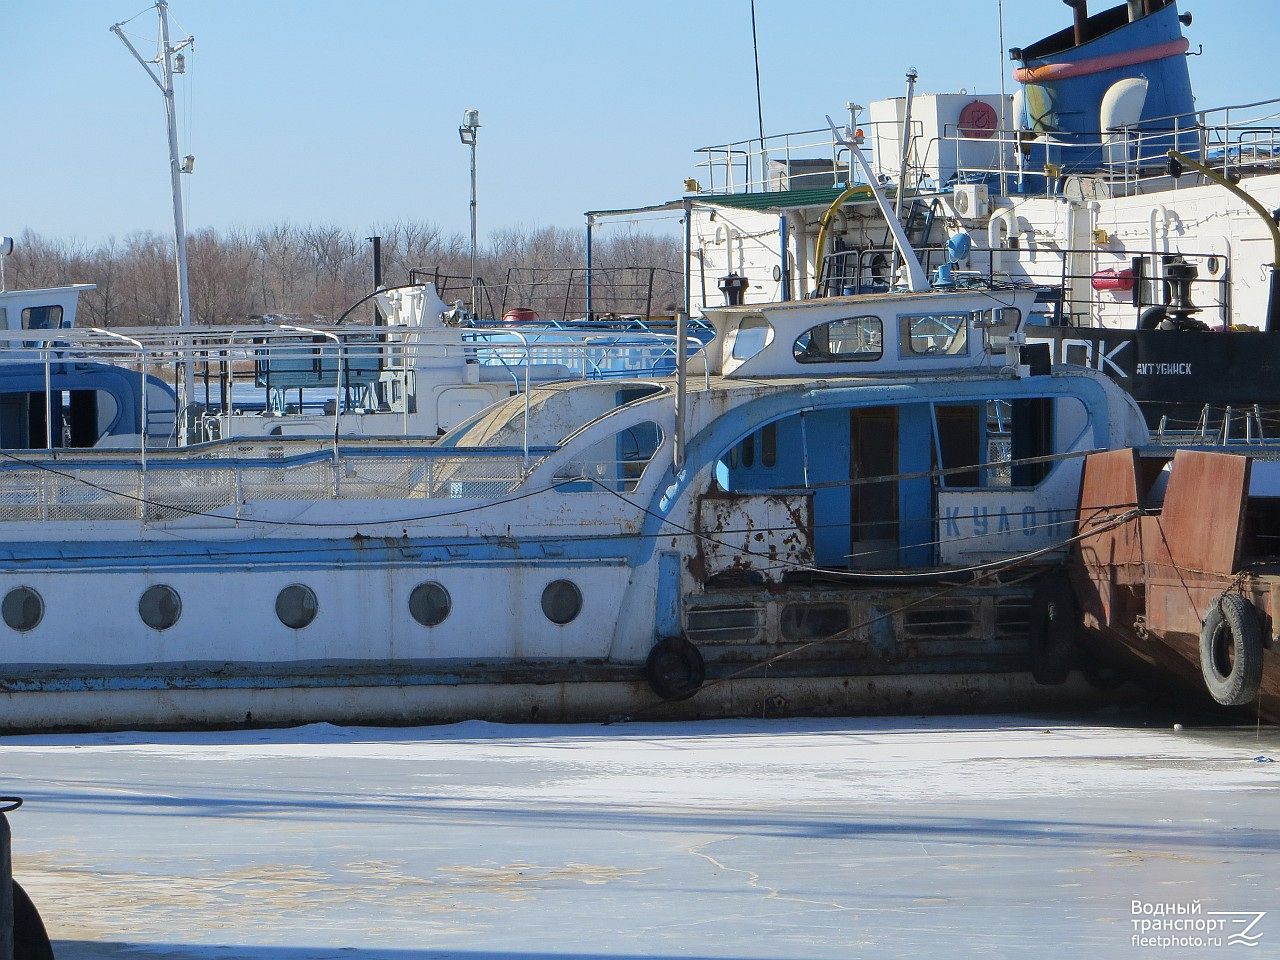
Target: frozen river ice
point(737, 840)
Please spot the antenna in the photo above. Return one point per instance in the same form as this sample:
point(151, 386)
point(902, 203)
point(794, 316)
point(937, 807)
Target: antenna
point(1004, 100)
point(755, 49)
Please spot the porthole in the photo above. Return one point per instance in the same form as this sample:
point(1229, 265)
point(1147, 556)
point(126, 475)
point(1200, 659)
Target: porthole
point(22, 609)
point(430, 603)
point(160, 607)
point(561, 601)
point(296, 605)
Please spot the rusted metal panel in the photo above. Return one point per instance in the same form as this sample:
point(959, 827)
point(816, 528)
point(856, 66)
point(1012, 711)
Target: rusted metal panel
point(1108, 488)
point(1155, 544)
point(1176, 604)
point(1107, 571)
point(765, 534)
point(1203, 514)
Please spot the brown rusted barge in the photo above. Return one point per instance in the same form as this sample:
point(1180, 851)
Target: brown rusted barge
point(1178, 571)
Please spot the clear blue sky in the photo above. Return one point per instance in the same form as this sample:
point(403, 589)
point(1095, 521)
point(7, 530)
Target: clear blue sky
point(346, 113)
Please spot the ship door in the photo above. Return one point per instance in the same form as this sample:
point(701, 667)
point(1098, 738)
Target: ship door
point(873, 447)
point(960, 445)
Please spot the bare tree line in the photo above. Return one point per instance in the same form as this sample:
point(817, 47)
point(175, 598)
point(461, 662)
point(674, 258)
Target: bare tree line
point(317, 271)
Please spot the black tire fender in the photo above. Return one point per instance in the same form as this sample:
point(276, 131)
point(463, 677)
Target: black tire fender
point(1231, 650)
point(1052, 630)
point(675, 669)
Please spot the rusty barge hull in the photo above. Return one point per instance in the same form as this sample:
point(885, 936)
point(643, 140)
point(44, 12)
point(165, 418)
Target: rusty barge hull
point(1146, 587)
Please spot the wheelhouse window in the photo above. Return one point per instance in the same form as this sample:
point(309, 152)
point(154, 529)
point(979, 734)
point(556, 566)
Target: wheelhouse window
point(615, 463)
point(42, 318)
point(934, 334)
point(839, 341)
point(754, 333)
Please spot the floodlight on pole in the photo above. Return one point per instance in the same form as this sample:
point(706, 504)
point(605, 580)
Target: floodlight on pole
point(467, 134)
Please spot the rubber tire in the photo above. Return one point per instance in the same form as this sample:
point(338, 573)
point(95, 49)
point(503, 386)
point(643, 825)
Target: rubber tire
point(1052, 631)
point(1232, 620)
point(30, 940)
point(675, 669)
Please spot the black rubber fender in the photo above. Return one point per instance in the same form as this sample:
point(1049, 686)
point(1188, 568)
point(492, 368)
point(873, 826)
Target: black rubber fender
point(675, 669)
point(1051, 630)
point(1231, 650)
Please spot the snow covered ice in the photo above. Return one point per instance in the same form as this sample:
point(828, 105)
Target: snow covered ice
point(741, 840)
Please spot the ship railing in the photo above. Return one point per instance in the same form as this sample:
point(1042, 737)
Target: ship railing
point(868, 269)
point(1241, 136)
point(1129, 158)
point(323, 371)
point(105, 485)
point(1218, 426)
point(571, 295)
point(1142, 271)
point(586, 356)
point(803, 158)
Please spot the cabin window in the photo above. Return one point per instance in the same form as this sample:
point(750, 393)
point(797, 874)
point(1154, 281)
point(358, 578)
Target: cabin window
point(296, 605)
point(42, 318)
point(430, 603)
point(755, 450)
point(561, 601)
point(998, 444)
point(160, 606)
point(934, 334)
point(839, 341)
point(23, 609)
point(617, 463)
point(754, 333)
point(769, 445)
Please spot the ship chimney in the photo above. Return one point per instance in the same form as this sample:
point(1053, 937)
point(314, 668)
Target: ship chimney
point(1081, 8)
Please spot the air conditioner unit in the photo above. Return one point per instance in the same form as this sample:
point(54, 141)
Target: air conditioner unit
point(970, 199)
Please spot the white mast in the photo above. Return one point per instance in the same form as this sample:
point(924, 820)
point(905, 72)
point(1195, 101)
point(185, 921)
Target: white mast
point(165, 82)
point(177, 166)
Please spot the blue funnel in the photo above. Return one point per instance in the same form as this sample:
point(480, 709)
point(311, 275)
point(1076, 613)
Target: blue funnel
point(1112, 90)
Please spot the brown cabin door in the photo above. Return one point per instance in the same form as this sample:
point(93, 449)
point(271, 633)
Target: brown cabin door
point(873, 452)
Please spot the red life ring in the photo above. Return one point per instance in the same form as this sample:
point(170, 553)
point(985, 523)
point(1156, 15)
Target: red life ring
point(979, 120)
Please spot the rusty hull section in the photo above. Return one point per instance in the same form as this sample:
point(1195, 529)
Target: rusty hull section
point(765, 535)
point(1145, 584)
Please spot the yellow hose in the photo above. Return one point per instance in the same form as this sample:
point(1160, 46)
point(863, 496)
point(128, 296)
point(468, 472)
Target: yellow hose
point(824, 225)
